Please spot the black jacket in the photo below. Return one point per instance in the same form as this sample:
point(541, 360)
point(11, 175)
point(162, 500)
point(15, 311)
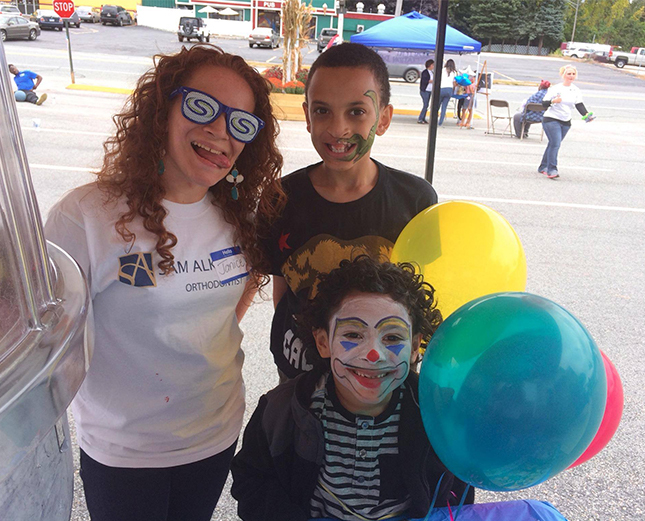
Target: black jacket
point(276, 471)
point(425, 79)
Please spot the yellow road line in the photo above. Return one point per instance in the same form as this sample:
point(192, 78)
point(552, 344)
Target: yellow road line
point(98, 88)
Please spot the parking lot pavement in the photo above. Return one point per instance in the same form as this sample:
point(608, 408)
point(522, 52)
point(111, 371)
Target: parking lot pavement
point(582, 234)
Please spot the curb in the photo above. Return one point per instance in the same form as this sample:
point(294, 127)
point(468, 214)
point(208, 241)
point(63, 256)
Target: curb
point(287, 107)
point(98, 88)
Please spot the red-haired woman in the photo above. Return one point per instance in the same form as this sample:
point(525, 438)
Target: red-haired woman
point(167, 237)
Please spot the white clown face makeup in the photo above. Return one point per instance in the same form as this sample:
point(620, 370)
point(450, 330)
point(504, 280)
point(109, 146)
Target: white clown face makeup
point(370, 344)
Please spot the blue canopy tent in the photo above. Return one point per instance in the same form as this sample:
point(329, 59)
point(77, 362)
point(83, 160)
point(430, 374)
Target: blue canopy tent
point(414, 31)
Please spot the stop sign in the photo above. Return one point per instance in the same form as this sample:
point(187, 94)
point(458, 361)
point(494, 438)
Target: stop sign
point(63, 8)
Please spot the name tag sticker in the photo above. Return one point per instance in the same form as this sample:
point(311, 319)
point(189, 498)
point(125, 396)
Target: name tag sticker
point(230, 264)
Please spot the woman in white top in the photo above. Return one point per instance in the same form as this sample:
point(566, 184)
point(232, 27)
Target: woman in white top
point(448, 74)
point(167, 237)
point(560, 101)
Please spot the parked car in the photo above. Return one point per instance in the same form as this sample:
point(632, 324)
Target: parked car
point(404, 64)
point(579, 52)
point(89, 14)
point(410, 72)
point(10, 9)
point(17, 27)
point(190, 27)
point(115, 15)
point(73, 20)
point(621, 59)
point(264, 37)
point(601, 56)
point(49, 20)
point(324, 37)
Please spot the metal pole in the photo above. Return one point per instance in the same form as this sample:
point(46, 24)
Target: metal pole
point(341, 17)
point(436, 87)
point(575, 20)
point(69, 49)
point(399, 6)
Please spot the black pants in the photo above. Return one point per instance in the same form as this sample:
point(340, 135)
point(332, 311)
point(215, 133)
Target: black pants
point(183, 493)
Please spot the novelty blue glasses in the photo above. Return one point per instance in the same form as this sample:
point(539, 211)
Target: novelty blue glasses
point(202, 108)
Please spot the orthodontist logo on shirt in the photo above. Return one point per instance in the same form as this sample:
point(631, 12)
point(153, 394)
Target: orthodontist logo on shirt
point(136, 269)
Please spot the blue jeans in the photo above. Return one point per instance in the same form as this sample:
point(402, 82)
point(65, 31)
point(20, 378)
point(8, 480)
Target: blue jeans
point(444, 98)
point(425, 96)
point(555, 131)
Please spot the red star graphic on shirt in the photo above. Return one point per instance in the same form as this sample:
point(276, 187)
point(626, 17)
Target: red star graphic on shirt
point(282, 242)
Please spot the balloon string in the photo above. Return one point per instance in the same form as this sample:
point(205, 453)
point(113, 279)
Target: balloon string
point(448, 504)
point(434, 497)
point(461, 503)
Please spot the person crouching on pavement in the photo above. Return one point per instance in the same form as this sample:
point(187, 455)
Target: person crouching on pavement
point(530, 116)
point(27, 82)
point(346, 440)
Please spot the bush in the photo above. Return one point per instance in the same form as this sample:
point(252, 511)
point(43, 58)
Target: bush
point(274, 76)
point(273, 72)
point(302, 75)
point(294, 87)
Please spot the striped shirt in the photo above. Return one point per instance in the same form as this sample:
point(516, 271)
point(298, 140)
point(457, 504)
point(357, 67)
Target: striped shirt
point(349, 484)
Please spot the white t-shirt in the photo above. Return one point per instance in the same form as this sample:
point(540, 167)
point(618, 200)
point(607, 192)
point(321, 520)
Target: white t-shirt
point(563, 111)
point(164, 387)
point(447, 78)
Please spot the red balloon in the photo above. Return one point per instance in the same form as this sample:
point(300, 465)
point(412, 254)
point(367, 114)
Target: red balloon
point(613, 412)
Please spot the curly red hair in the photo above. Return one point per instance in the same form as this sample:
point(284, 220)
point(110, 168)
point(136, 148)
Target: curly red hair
point(132, 155)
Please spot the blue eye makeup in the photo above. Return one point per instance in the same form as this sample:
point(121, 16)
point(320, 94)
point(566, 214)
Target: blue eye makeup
point(348, 345)
point(396, 348)
point(203, 109)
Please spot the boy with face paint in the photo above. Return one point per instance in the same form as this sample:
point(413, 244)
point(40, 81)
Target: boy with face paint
point(347, 204)
point(345, 440)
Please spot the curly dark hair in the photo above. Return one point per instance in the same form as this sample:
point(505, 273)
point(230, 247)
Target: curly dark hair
point(130, 165)
point(355, 55)
point(363, 274)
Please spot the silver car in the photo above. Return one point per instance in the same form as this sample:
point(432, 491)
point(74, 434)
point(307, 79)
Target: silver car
point(89, 14)
point(404, 64)
point(14, 27)
point(264, 37)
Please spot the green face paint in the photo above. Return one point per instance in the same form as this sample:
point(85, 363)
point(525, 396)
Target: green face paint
point(363, 145)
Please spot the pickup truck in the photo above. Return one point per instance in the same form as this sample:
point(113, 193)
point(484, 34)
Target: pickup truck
point(621, 59)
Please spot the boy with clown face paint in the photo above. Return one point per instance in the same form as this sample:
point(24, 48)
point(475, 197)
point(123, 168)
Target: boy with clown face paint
point(344, 205)
point(345, 440)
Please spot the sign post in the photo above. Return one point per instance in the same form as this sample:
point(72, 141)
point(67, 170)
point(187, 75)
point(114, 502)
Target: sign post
point(65, 9)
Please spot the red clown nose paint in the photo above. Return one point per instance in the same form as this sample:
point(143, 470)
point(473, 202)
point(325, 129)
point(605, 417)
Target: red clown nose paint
point(373, 356)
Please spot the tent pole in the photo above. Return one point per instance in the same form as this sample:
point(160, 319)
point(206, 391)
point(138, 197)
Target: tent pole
point(442, 20)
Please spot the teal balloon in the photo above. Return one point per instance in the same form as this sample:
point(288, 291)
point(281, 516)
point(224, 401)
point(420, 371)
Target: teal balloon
point(512, 391)
point(20, 95)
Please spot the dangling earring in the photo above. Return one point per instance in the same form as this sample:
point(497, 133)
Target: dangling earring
point(236, 178)
point(161, 168)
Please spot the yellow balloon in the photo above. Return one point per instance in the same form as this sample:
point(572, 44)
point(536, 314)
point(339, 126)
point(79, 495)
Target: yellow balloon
point(465, 250)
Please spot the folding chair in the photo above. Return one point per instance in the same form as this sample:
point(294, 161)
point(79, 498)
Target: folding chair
point(500, 105)
point(533, 107)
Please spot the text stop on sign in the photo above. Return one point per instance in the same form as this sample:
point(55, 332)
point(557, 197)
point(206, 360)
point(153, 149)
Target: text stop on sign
point(63, 8)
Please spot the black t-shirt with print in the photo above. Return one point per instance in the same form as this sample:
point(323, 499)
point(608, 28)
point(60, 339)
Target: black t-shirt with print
point(313, 235)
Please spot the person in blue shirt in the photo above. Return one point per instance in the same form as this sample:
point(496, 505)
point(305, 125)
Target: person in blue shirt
point(27, 82)
point(530, 116)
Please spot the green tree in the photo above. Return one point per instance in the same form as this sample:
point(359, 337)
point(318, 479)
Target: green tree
point(459, 15)
point(492, 18)
point(549, 22)
point(524, 22)
point(614, 22)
